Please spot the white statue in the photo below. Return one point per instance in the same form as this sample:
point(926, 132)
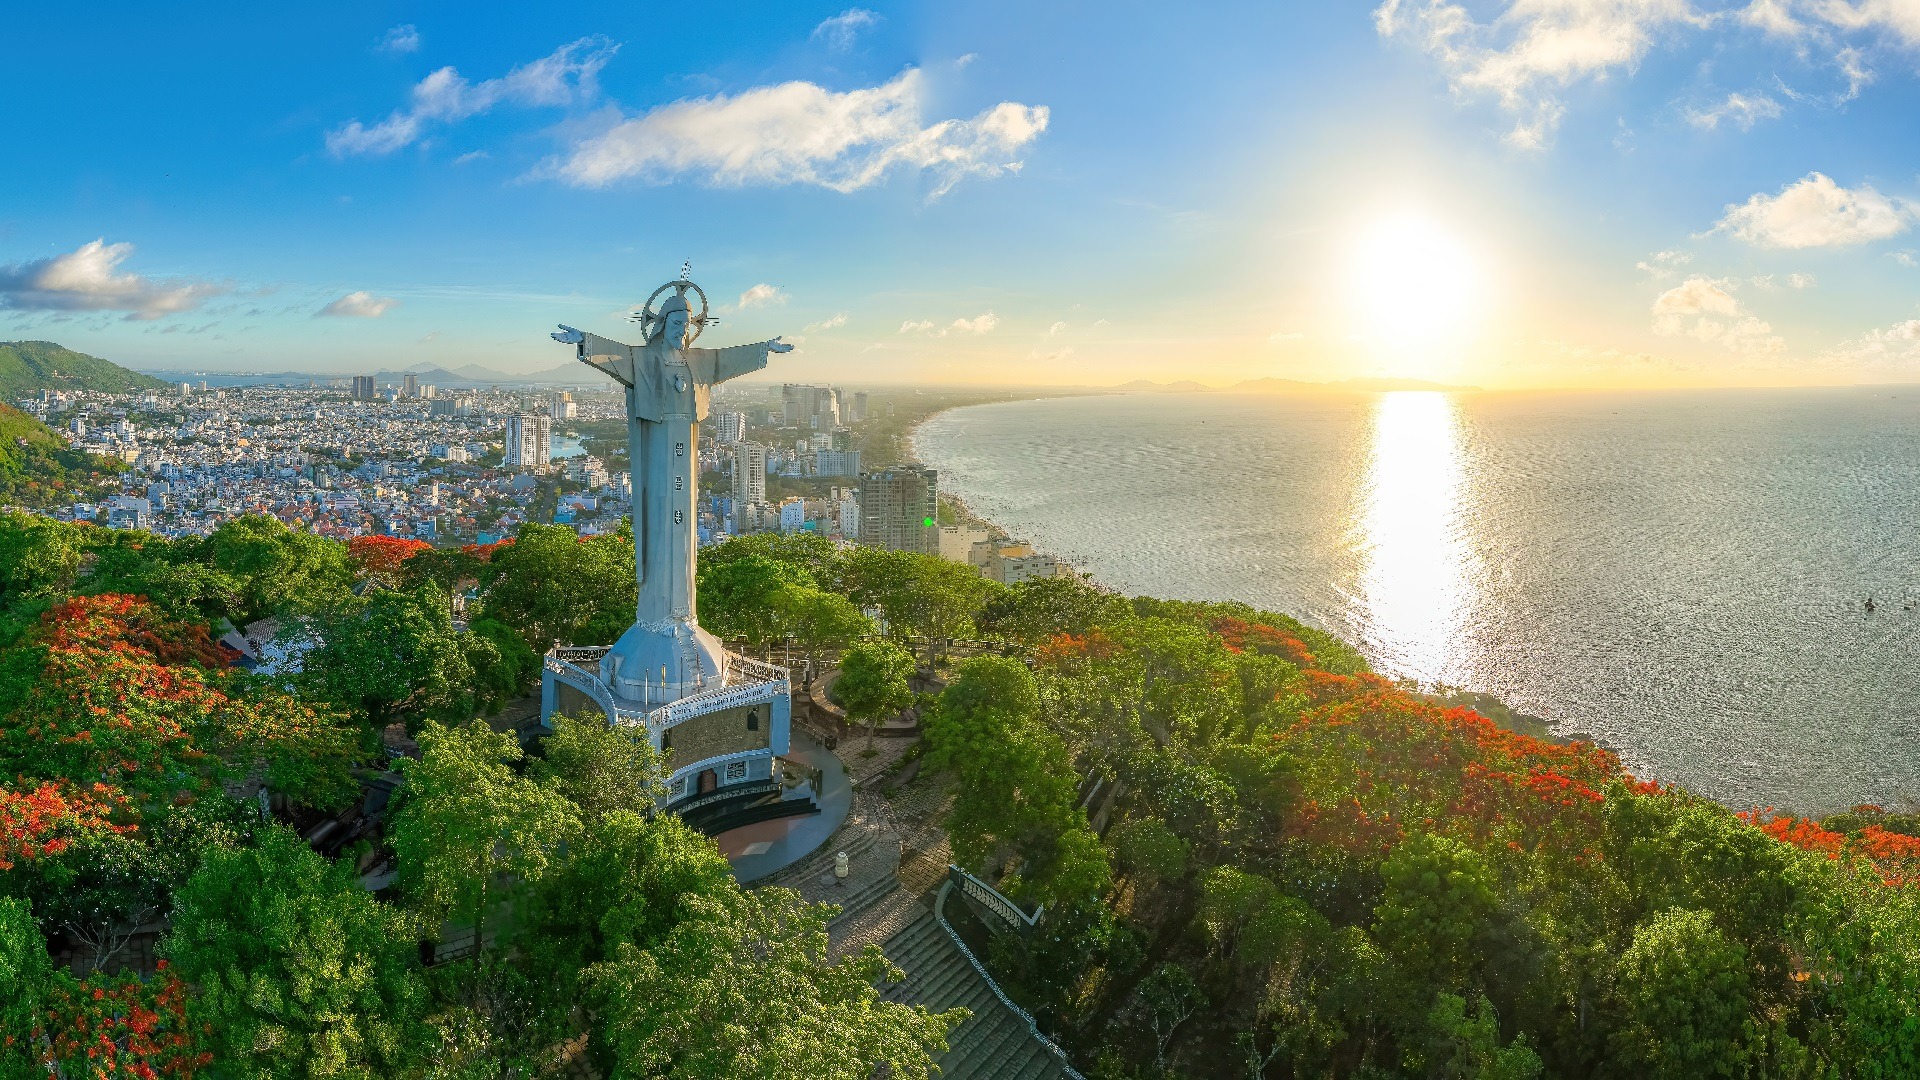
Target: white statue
point(665, 655)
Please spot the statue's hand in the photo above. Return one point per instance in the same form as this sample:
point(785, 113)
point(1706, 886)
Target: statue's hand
point(776, 345)
point(571, 337)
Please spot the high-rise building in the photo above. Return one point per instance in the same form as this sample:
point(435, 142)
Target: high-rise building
point(897, 508)
point(410, 385)
point(836, 463)
point(562, 406)
point(849, 516)
point(729, 427)
point(809, 407)
point(529, 441)
point(749, 475)
point(859, 406)
point(363, 388)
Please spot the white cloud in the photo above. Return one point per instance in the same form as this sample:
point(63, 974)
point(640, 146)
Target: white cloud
point(358, 305)
point(90, 279)
point(834, 322)
point(1898, 18)
point(979, 324)
point(1663, 264)
point(1056, 328)
point(840, 31)
point(1526, 53)
point(1816, 212)
point(471, 156)
point(564, 77)
point(802, 133)
point(401, 39)
point(966, 59)
point(1696, 296)
point(1897, 346)
point(1533, 48)
point(982, 323)
point(1801, 281)
point(1740, 110)
point(761, 295)
point(1703, 308)
point(1279, 336)
point(1904, 258)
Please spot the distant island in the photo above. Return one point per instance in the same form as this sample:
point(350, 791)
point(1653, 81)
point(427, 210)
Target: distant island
point(1287, 386)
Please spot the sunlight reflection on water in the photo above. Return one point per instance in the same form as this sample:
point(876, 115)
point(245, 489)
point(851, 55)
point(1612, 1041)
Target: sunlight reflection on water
point(1416, 578)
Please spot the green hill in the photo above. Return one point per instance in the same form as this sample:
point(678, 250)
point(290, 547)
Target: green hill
point(37, 467)
point(28, 367)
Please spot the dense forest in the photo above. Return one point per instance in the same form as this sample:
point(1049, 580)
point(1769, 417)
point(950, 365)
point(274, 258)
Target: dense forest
point(1253, 857)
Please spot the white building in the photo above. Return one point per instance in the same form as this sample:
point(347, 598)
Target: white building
point(793, 515)
point(729, 427)
point(749, 478)
point(529, 441)
point(849, 515)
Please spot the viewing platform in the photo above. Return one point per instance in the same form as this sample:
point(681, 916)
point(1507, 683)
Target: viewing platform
point(727, 735)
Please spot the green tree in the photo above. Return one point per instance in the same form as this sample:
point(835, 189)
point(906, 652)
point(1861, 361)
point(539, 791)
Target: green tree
point(743, 988)
point(873, 682)
point(745, 597)
point(599, 767)
point(1034, 612)
point(26, 974)
point(1017, 785)
point(820, 620)
point(1149, 852)
point(1686, 992)
point(469, 822)
point(1465, 1045)
point(555, 585)
point(1437, 903)
point(299, 972)
point(396, 656)
point(278, 570)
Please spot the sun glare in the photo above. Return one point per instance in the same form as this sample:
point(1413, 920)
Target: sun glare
point(1417, 289)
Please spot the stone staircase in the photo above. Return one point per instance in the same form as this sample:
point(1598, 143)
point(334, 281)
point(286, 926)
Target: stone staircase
point(994, 1042)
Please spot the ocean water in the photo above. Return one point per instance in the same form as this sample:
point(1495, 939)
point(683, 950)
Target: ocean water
point(1679, 575)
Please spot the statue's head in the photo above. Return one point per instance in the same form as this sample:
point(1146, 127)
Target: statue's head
point(675, 317)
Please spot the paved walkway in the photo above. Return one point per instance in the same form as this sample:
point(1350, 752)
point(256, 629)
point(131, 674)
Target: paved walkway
point(767, 847)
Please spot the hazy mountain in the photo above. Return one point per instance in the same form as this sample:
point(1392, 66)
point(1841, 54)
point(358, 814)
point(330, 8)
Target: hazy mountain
point(1287, 386)
point(1358, 386)
point(28, 367)
point(1184, 386)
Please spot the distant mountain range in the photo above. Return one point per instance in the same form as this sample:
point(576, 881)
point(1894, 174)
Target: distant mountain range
point(28, 367)
point(1286, 386)
point(466, 376)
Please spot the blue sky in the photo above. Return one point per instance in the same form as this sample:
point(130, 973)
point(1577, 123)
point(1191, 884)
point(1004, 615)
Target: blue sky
point(1546, 193)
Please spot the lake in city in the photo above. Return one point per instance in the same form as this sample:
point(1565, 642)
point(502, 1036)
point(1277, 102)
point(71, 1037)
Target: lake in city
point(1681, 575)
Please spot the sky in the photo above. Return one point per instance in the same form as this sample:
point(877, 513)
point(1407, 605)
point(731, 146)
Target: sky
point(1542, 193)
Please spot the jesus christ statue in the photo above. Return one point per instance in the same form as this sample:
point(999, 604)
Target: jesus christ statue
point(665, 655)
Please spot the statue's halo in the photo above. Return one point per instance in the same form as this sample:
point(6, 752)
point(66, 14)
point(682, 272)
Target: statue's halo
point(650, 320)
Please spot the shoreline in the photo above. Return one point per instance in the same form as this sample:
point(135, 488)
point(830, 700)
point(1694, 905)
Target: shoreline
point(1482, 702)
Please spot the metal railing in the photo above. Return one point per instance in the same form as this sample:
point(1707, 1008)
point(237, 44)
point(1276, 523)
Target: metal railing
point(745, 669)
point(940, 916)
point(993, 900)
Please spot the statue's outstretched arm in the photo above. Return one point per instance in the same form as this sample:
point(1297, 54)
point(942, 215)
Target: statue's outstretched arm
point(613, 357)
point(731, 363)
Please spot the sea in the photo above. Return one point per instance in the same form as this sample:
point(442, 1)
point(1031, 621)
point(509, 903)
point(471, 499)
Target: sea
point(1681, 576)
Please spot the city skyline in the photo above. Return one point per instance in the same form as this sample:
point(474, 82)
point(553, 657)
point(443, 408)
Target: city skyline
point(1554, 193)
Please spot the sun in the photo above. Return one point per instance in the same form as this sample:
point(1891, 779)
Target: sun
point(1418, 290)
